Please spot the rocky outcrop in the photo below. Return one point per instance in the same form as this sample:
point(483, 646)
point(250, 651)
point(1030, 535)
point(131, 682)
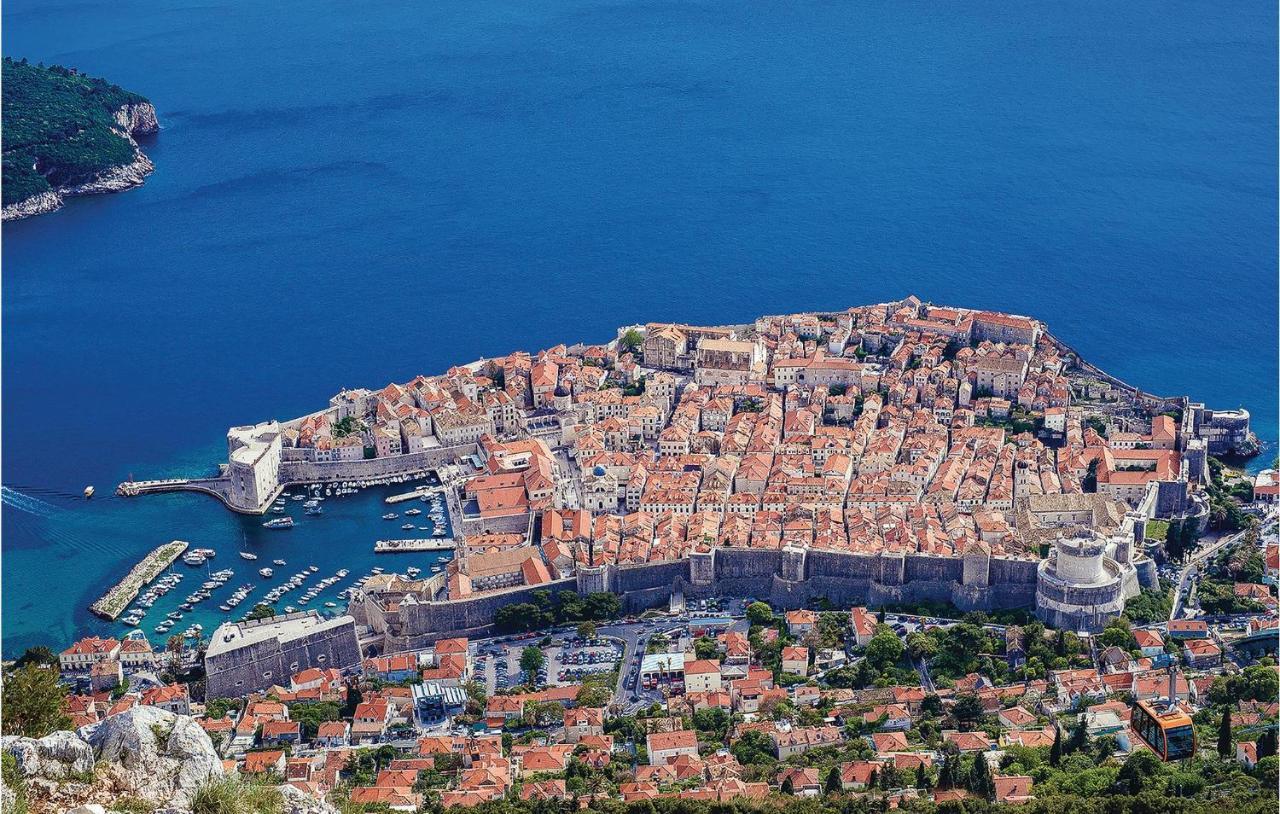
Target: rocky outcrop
point(59, 756)
point(157, 755)
point(132, 120)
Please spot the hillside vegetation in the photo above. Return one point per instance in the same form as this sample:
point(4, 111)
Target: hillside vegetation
point(59, 128)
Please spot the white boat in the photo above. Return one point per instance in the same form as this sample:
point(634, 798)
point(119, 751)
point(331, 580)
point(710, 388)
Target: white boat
point(278, 523)
point(331, 604)
point(277, 562)
point(412, 512)
point(312, 568)
point(248, 555)
point(193, 558)
point(88, 492)
point(390, 516)
point(266, 572)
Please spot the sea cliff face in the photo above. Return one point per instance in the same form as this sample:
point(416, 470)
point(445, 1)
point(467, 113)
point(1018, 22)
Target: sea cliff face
point(133, 120)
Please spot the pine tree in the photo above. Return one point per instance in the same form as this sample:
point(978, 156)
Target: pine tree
point(1224, 734)
point(1055, 751)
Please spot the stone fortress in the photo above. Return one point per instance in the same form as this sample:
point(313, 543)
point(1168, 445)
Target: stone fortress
point(892, 453)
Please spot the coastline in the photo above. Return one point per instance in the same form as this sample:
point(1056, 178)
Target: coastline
point(133, 120)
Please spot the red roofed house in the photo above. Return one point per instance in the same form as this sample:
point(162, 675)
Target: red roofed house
point(173, 698)
point(665, 746)
point(1014, 788)
point(272, 760)
point(87, 652)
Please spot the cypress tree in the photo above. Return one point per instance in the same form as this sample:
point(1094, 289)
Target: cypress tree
point(1079, 736)
point(1055, 751)
point(922, 779)
point(787, 786)
point(834, 786)
point(1267, 744)
point(980, 781)
point(1224, 734)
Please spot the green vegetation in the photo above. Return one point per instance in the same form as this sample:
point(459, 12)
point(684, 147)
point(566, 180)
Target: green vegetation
point(1157, 529)
point(59, 128)
point(532, 660)
point(33, 702)
point(350, 425)
point(262, 610)
point(1152, 605)
point(231, 795)
point(312, 714)
point(545, 610)
point(14, 782)
point(630, 341)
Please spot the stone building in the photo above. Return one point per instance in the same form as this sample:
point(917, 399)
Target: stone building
point(253, 465)
point(245, 657)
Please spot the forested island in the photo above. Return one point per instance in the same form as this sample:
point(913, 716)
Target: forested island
point(68, 134)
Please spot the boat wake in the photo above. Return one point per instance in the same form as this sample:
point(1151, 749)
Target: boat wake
point(26, 503)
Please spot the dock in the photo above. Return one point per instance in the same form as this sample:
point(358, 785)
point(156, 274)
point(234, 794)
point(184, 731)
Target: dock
point(421, 491)
point(113, 603)
point(421, 544)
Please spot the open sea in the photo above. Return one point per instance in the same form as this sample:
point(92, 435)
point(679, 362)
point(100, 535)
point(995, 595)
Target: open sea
point(352, 193)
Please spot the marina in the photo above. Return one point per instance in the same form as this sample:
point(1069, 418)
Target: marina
point(420, 544)
point(113, 603)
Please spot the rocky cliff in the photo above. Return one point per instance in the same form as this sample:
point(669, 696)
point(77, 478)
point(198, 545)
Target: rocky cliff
point(132, 120)
point(144, 754)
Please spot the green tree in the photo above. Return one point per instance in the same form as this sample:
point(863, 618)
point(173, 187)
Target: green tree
point(1267, 743)
point(39, 655)
point(967, 709)
point(980, 780)
point(631, 341)
point(833, 784)
point(884, 650)
point(33, 702)
point(759, 613)
point(787, 786)
point(531, 660)
point(706, 648)
point(586, 630)
point(1055, 751)
point(262, 610)
point(1225, 749)
point(1137, 769)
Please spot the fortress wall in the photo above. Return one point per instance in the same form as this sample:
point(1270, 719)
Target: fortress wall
point(429, 621)
point(1013, 572)
point(327, 471)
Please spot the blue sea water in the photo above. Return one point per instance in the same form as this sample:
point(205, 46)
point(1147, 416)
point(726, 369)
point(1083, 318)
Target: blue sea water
point(348, 194)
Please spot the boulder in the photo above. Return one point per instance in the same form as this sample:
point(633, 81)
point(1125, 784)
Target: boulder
point(57, 756)
point(298, 802)
point(87, 808)
point(159, 756)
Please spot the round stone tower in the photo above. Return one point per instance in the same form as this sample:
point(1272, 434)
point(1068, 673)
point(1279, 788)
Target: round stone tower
point(1078, 587)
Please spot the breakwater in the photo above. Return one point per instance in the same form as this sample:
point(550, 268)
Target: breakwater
point(114, 601)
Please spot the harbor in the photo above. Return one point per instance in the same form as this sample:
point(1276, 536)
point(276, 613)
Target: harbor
point(404, 546)
point(113, 603)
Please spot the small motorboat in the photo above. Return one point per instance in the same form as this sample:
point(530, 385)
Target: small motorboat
point(266, 572)
point(277, 562)
point(390, 516)
point(88, 492)
point(249, 555)
point(278, 523)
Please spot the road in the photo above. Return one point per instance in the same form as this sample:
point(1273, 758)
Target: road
point(1191, 569)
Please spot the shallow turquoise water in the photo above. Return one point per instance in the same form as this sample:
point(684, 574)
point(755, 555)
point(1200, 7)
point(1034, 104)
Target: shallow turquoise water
point(349, 194)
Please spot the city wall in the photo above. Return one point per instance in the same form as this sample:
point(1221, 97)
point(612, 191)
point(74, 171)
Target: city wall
point(369, 469)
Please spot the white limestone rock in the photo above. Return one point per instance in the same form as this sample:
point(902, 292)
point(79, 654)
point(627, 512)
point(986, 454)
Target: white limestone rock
point(161, 757)
point(54, 757)
point(87, 808)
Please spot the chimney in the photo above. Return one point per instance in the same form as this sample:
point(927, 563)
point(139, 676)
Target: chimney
point(1173, 685)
